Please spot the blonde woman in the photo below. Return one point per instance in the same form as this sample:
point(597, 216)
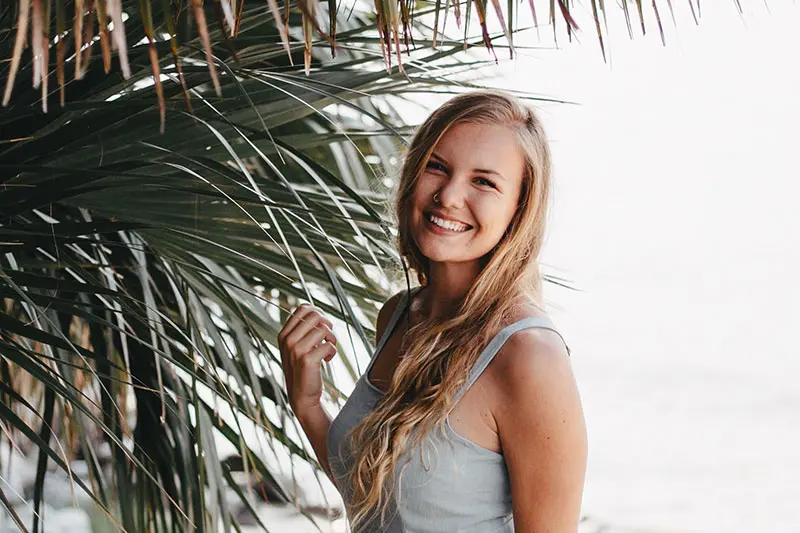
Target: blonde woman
point(468, 416)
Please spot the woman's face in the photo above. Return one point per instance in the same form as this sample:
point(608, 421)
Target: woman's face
point(476, 173)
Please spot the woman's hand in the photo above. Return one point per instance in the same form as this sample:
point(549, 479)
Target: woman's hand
point(305, 341)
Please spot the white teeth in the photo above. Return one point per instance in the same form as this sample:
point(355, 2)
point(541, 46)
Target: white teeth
point(452, 226)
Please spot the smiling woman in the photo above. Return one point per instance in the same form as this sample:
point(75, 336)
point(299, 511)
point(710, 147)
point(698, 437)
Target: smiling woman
point(455, 196)
point(468, 417)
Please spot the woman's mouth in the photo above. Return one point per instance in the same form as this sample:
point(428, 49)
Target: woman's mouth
point(441, 225)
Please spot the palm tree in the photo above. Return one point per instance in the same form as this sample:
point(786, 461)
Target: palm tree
point(164, 203)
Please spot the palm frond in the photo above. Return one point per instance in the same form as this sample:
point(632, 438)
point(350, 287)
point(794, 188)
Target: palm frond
point(185, 30)
point(144, 274)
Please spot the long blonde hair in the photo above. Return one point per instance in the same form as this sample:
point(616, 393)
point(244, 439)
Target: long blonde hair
point(440, 354)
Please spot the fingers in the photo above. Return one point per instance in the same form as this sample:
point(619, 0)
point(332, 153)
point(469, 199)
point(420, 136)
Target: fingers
point(305, 340)
point(310, 339)
point(312, 325)
point(305, 317)
point(322, 352)
point(294, 319)
point(304, 329)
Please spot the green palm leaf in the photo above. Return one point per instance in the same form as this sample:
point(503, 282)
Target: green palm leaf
point(144, 276)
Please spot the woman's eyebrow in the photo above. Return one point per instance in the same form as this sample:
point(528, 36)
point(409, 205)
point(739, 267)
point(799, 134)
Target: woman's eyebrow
point(441, 159)
point(487, 171)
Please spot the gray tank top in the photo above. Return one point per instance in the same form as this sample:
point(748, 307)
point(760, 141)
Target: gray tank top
point(452, 484)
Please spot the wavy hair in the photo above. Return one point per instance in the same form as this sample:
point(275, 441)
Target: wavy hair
point(440, 354)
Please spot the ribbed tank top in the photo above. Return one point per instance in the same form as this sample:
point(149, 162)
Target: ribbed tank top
point(452, 484)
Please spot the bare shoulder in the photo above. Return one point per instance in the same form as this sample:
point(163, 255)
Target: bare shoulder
point(533, 366)
point(530, 347)
point(530, 359)
point(542, 429)
point(533, 346)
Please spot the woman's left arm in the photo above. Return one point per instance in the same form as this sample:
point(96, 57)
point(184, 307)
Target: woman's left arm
point(542, 432)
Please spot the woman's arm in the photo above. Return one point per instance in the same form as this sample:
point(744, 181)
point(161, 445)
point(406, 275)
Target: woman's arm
point(315, 421)
point(542, 432)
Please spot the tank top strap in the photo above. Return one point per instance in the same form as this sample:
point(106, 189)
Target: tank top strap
point(487, 355)
point(399, 310)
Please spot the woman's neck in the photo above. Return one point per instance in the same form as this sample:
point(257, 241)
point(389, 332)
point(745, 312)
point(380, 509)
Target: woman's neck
point(447, 286)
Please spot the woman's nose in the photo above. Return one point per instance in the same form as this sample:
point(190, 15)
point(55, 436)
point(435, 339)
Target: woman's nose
point(452, 194)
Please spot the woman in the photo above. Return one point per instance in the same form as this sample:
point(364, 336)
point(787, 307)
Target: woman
point(468, 416)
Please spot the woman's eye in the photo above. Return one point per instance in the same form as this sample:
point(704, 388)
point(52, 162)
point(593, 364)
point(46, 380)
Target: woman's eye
point(484, 181)
point(435, 165)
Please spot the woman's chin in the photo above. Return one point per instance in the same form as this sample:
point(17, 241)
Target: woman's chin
point(447, 254)
point(447, 249)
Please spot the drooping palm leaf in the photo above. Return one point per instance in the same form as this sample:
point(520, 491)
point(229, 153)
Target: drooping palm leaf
point(181, 22)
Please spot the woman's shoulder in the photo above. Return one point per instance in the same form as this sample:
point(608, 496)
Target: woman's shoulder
point(530, 374)
point(530, 346)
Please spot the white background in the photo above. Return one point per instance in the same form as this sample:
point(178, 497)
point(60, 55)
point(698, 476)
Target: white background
point(676, 214)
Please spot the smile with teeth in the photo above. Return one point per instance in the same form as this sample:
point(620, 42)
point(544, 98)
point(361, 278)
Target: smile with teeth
point(446, 224)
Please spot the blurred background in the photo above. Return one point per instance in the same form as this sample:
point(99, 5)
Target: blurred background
point(145, 275)
point(675, 216)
